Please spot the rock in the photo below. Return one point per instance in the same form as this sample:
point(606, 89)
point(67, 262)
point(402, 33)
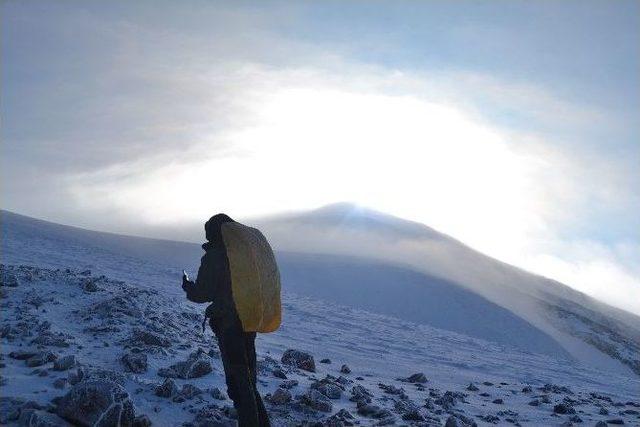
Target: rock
point(391, 389)
point(472, 387)
point(345, 369)
point(339, 419)
point(189, 391)
point(135, 362)
point(289, 384)
point(603, 411)
point(498, 401)
point(527, 389)
point(416, 378)
point(281, 396)
point(59, 383)
point(38, 418)
point(373, 411)
point(10, 409)
point(326, 361)
point(167, 389)
point(217, 394)
point(50, 339)
point(328, 389)
point(299, 359)
point(359, 394)
point(97, 403)
point(141, 421)
point(8, 279)
point(562, 408)
point(279, 373)
point(89, 285)
point(23, 354)
point(197, 365)
point(64, 363)
point(601, 424)
point(316, 400)
point(534, 402)
point(150, 338)
point(616, 421)
point(40, 358)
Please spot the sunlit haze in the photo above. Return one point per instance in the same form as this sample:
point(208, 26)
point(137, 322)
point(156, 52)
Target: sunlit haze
point(162, 117)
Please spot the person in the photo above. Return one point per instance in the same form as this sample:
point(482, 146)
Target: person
point(237, 347)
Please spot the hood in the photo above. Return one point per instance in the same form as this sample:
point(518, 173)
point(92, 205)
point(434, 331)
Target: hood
point(212, 228)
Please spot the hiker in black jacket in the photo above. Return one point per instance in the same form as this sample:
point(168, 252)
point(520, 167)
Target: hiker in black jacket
point(237, 347)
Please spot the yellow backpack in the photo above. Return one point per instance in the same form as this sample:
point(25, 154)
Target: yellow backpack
point(255, 279)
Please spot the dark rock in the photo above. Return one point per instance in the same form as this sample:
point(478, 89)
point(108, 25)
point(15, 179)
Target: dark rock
point(472, 387)
point(167, 389)
point(289, 384)
point(23, 354)
point(217, 394)
point(603, 411)
point(373, 411)
point(391, 389)
point(40, 358)
point(280, 397)
point(189, 391)
point(344, 369)
point(601, 424)
point(616, 421)
point(326, 361)
point(64, 363)
point(279, 373)
point(299, 359)
point(150, 338)
point(141, 421)
point(60, 383)
point(498, 401)
point(487, 383)
point(97, 403)
point(316, 400)
point(135, 362)
point(527, 389)
point(197, 365)
point(10, 409)
point(562, 408)
point(51, 340)
point(360, 394)
point(38, 418)
point(418, 378)
point(534, 402)
point(8, 279)
point(328, 389)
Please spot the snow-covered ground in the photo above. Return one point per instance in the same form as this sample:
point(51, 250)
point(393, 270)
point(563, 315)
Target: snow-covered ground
point(73, 298)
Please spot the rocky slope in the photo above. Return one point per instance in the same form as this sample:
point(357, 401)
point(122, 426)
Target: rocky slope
point(82, 348)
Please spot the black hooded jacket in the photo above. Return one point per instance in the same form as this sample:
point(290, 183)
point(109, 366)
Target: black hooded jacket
point(213, 283)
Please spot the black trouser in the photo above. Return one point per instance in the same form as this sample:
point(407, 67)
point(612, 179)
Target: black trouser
point(238, 352)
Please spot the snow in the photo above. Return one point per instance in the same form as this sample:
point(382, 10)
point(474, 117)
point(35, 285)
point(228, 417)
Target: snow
point(378, 348)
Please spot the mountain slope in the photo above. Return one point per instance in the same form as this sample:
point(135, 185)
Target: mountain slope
point(116, 318)
point(396, 272)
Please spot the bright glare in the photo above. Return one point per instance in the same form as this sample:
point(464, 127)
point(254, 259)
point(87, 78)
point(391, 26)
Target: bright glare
point(306, 147)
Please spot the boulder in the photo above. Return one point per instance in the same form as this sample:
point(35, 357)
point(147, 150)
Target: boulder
point(417, 378)
point(40, 358)
point(150, 338)
point(98, 403)
point(299, 359)
point(135, 362)
point(167, 389)
point(345, 369)
point(281, 396)
point(197, 365)
point(64, 363)
point(316, 400)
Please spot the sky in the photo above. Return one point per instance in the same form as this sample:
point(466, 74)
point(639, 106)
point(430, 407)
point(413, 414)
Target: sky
point(511, 126)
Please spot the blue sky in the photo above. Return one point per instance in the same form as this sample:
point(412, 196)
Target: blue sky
point(512, 126)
